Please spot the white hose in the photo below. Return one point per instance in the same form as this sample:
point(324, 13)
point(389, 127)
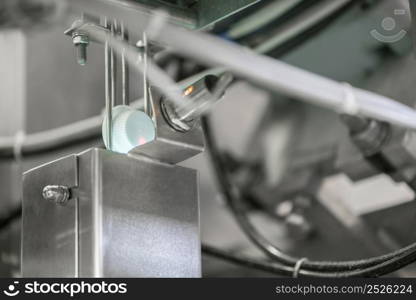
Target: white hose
point(283, 78)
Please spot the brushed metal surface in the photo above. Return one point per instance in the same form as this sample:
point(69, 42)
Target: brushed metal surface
point(138, 218)
point(135, 218)
point(170, 145)
point(49, 241)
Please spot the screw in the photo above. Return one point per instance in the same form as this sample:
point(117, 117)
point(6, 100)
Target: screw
point(58, 194)
point(81, 41)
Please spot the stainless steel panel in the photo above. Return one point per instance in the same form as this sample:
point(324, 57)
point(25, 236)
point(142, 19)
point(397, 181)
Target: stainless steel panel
point(132, 217)
point(137, 217)
point(49, 242)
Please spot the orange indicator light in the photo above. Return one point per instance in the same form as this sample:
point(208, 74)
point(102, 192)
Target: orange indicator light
point(188, 90)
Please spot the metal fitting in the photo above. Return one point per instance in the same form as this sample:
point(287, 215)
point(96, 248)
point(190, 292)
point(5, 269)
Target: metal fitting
point(58, 194)
point(202, 94)
point(81, 41)
point(370, 136)
point(173, 119)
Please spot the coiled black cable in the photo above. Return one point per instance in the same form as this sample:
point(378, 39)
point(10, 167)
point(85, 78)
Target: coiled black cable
point(375, 266)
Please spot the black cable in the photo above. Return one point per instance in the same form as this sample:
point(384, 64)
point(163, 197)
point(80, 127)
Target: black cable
point(246, 261)
point(366, 267)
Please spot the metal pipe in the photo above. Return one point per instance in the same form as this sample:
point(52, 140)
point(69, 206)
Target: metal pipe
point(145, 53)
point(113, 66)
point(125, 78)
point(156, 75)
point(108, 90)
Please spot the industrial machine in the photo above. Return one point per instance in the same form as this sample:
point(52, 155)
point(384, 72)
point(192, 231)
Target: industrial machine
point(189, 138)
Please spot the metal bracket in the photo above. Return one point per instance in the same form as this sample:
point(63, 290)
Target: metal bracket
point(170, 145)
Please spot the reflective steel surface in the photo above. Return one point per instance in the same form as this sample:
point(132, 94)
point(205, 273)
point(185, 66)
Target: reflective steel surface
point(136, 218)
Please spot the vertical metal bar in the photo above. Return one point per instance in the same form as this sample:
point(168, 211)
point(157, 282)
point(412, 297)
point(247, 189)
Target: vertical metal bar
point(125, 78)
point(76, 237)
point(147, 104)
point(108, 92)
point(113, 66)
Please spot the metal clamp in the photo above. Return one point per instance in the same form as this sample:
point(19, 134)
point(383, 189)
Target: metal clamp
point(298, 266)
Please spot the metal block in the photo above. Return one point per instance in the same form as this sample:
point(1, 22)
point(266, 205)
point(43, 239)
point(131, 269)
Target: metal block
point(136, 218)
point(170, 145)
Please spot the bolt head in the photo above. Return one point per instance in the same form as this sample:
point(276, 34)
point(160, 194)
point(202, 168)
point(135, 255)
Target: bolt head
point(80, 39)
point(58, 194)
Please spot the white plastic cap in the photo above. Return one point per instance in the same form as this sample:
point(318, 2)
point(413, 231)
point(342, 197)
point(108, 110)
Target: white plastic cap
point(130, 128)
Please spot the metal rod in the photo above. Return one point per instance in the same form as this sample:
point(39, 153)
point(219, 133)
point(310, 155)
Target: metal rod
point(147, 101)
point(113, 66)
point(156, 75)
point(125, 76)
point(108, 92)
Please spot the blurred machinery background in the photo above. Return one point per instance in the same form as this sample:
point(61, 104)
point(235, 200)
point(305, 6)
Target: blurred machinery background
point(318, 183)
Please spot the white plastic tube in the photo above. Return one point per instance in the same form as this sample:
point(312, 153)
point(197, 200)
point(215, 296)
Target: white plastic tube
point(283, 78)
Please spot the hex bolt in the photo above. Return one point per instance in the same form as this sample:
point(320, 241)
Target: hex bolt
point(81, 41)
point(58, 194)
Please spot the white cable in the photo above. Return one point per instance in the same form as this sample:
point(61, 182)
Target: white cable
point(281, 77)
point(350, 105)
point(19, 139)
